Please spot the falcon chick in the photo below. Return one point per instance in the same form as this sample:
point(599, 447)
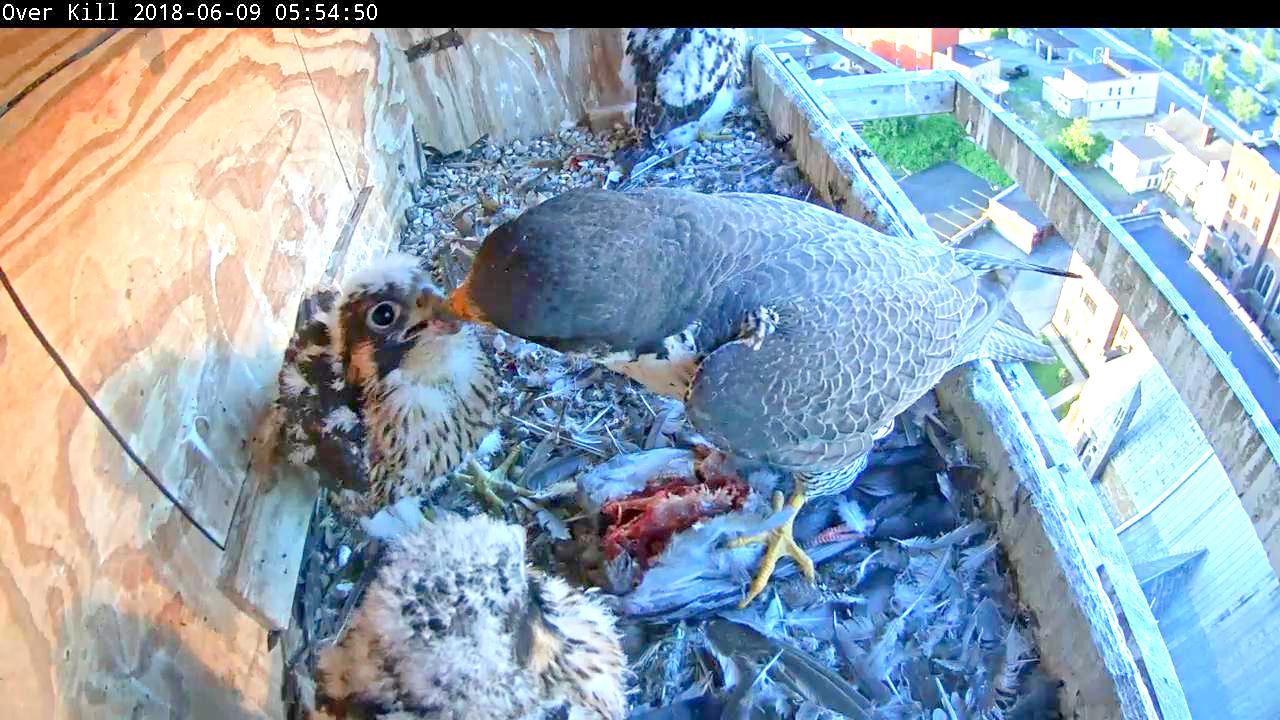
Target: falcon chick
point(456, 625)
point(383, 390)
point(793, 334)
point(686, 82)
point(686, 79)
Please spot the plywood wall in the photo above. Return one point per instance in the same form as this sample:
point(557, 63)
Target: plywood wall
point(511, 83)
point(166, 197)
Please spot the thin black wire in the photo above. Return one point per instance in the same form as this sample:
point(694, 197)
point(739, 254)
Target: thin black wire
point(88, 400)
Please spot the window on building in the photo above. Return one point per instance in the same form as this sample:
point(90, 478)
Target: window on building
point(1244, 212)
point(1133, 89)
point(1253, 184)
point(1235, 237)
point(1111, 91)
point(1231, 202)
point(1089, 304)
point(1255, 225)
point(1265, 277)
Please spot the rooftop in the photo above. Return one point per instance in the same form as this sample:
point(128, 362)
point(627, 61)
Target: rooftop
point(1133, 64)
point(1272, 154)
point(1053, 37)
point(1144, 147)
point(1095, 72)
point(1163, 441)
point(1018, 202)
point(1187, 130)
point(962, 55)
point(948, 196)
point(1170, 255)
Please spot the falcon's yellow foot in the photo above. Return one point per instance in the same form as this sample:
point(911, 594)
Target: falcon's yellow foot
point(482, 480)
point(778, 542)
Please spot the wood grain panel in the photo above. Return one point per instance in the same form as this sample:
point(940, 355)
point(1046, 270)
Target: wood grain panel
point(106, 606)
point(28, 55)
point(511, 83)
point(170, 195)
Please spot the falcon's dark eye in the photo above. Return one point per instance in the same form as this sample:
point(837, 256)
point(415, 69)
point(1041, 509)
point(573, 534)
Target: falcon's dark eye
point(383, 315)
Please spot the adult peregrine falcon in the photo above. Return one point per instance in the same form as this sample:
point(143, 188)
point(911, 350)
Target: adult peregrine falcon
point(792, 333)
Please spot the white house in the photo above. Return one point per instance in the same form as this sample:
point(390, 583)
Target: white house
point(1194, 173)
point(1136, 162)
point(1114, 88)
point(981, 68)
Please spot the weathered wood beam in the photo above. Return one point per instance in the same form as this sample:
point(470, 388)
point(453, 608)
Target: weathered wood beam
point(887, 95)
point(1093, 626)
point(1207, 380)
point(835, 159)
point(1106, 680)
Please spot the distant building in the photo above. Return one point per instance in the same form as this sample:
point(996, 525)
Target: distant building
point(908, 48)
point(1135, 162)
point(1246, 233)
point(1046, 43)
point(1114, 88)
point(1199, 160)
point(1192, 545)
point(1089, 320)
point(982, 69)
point(1019, 219)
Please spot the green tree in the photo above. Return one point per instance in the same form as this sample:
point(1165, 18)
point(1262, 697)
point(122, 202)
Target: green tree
point(1191, 69)
point(1081, 144)
point(1216, 82)
point(1269, 45)
point(997, 33)
point(1268, 79)
point(1242, 106)
point(1161, 44)
point(1275, 127)
point(1249, 64)
point(1247, 34)
point(1202, 35)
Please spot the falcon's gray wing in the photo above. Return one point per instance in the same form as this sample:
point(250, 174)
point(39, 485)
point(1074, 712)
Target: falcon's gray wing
point(868, 323)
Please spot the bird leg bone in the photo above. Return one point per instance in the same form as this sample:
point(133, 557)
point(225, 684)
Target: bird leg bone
point(778, 542)
point(758, 325)
point(483, 481)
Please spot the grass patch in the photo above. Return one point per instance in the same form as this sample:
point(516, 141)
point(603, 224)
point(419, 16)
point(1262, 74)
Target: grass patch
point(1061, 412)
point(914, 144)
point(1051, 378)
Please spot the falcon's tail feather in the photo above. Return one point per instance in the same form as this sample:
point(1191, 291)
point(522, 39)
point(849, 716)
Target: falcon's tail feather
point(1010, 340)
point(985, 262)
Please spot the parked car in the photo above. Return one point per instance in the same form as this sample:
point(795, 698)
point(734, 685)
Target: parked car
point(1015, 72)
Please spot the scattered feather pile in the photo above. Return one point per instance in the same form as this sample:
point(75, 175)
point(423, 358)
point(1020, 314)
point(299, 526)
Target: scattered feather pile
point(912, 615)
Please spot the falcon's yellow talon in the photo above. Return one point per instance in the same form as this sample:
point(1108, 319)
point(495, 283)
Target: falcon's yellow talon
point(778, 542)
point(482, 480)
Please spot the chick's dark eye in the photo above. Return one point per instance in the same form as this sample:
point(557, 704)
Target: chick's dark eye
point(383, 315)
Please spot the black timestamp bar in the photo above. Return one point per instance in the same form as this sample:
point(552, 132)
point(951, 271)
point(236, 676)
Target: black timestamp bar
point(187, 13)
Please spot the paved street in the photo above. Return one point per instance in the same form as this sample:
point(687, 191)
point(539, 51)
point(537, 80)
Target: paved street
point(1170, 255)
point(1188, 95)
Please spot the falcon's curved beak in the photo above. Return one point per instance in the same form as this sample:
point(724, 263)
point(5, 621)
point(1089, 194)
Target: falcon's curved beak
point(431, 315)
point(462, 307)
